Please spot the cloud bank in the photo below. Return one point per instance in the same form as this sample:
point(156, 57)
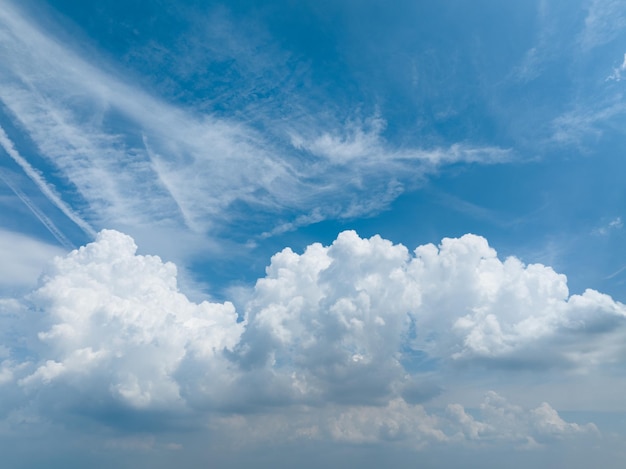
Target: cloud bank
point(346, 333)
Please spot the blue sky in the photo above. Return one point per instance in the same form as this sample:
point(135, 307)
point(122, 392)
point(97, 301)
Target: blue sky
point(278, 233)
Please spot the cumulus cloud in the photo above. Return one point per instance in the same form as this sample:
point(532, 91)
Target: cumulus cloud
point(343, 329)
point(495, 422)
point(502, 421)
point(114, 324)
point(360, 307)
point(397, 421)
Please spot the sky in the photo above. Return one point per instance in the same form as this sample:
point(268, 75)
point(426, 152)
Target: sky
point(314, 233)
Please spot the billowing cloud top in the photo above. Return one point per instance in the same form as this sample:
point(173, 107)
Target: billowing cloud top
point(352, 329)
point(116, 316)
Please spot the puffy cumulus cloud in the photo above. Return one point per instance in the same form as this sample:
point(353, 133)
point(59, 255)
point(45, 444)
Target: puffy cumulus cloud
point(397, 421)
point(339, 336)
point(502, 421)
point(112, 323)
point(334, 316)
point(349, 319)
point(495, 422)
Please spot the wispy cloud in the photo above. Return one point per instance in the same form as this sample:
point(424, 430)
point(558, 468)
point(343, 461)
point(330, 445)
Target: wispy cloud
point(605, 20)
point(613, 225)
point(45, 188)
point(42, 217)
point(586, 120)
point(23, 259)
point(128, 158)
point(618, 71)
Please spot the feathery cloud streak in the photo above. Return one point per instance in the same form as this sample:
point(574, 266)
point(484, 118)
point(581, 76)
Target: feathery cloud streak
point(127, 158)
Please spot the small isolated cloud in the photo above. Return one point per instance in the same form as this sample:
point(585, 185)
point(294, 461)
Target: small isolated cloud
point(618, 71)
point(613, 225)
point(502, 421)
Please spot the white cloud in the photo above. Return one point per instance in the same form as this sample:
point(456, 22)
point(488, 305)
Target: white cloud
point(45, 188)
point(585, 120)
point(397, 421)
point(496, 422)
point(614, 225)
point(604, 22)
point(362, 144)
point(348, 310)
point(338, 328)
point(502, 421)
point(618, 71)
point(116, 325)
point(156, 168)
point(23, 259)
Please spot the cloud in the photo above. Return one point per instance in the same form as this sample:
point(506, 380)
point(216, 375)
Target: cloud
point(586, 119)
point(45, 188)
point(502, 421)
point(618, 71)
point(397, 421)
point(128, 159)
point(496, 423)
point(109, 345)
point(341, 332)
point(604, 22)
point(364, 143)
point(362, 307)
point(23, 259)
point(117, 329)
point(614, 225)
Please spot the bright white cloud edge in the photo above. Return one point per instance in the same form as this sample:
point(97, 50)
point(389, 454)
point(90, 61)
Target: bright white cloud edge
point(333, 330)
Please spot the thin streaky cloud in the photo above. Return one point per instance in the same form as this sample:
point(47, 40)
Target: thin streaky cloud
point(604, 22)
point(42, 217)
point(196, 166)
point(43, 186)
point(616, 273)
